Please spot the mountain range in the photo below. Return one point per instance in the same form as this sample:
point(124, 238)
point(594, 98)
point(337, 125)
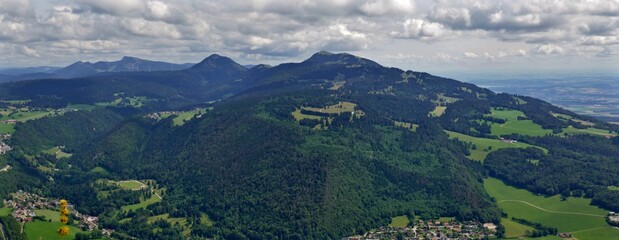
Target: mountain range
point(320, 149)
point(83, 69)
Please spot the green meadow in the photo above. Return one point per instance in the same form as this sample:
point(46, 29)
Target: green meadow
point(131, 184)
point(486, 145)
point(514, 229)
point(592, 131)
point(48, 214)
point(575, 215)
point(7, 128)
point(5, 211)
point(399, 221)
point(513, 125)
point(143, 203)
point(438, 111)
point(187, 115)
point(39, 230)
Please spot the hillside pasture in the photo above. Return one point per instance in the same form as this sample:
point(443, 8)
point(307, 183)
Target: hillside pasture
point(575, 215)
point(514, 229)
point(514, 126)
point(143, 203)
point(336, 108)
point(438, 111)
point(591, 131)
point(47, 230)
point(484, 146)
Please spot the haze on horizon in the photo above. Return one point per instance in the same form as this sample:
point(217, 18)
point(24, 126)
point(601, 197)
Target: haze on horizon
point(475, 37)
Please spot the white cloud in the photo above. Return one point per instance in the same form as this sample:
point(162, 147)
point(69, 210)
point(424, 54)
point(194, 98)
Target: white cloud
point(548, 49)
point(421, 29)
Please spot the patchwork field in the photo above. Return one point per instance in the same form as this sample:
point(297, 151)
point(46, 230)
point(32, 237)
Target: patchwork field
point(575, 215)
point(484, 146)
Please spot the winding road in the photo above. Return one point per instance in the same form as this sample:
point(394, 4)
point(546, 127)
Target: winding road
point(550, 211)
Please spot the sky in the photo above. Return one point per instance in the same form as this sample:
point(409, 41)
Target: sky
point(484, 37)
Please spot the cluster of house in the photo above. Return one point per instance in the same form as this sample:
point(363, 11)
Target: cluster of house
point(4, 148)
point(506, 140)
point(24, 203)
point(9, 121)
point(157, 115)
point(613, 218)
point(432, 230)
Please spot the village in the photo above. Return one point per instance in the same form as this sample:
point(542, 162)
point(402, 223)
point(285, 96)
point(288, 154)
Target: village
point(432, 230)
point(4, 148)
point(24, 205)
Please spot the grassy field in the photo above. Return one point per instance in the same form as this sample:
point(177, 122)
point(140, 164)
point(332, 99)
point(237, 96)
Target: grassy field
point(613, 188)
point(166, 216)
point(143, 203)
point(47, 231)
point(131, 185)
point(98, 170)
point(25, 115)
point(482, 144)
point(56, 151)
point(82, 107)
point(514, 229)
point(513, 125)
point(575, 215)
point(5, 211)
point(337, 108)
point(399, 221)
point(438, 111)
point(186, 116)
point(300, 116)
point(7, 128)
point(48, 214)
point(592, 131)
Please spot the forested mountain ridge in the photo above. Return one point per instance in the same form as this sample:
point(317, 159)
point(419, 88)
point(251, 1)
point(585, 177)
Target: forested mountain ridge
point(328, 147)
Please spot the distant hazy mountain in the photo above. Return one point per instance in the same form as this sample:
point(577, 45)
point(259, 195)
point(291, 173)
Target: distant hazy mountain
point(28, 70)
point(126, 64)
point(85, 69)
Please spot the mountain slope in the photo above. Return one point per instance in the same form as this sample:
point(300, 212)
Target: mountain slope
point(321, 149)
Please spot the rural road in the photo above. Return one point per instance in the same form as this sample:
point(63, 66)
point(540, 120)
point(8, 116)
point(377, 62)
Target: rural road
point(550, 211)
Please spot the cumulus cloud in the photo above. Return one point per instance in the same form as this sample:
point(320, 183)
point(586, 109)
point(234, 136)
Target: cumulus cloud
point(421, 29)
point(263, 29)
point(548, 49)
